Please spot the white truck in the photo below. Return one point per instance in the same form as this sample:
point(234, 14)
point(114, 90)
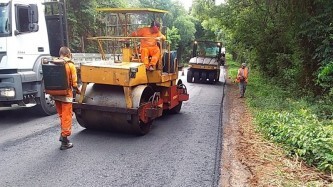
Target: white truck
point(29, 31)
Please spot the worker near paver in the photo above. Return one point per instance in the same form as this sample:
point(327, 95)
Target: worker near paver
point(64, 103)
point(242, 77)
point(148, 46)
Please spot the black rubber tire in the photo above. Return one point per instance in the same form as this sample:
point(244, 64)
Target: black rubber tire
point(176, 109)
point(46, 105)
point(211, 77)
point(196, 76)
point(203, 77)
point(189, 76)
point(218, 77)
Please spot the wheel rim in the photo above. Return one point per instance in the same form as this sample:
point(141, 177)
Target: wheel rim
point(49, 101)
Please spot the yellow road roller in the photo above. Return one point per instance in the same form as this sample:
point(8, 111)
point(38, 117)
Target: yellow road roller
point(118, 93)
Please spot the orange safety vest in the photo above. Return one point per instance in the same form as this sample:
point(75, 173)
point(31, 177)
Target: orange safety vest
point(146, 32)
point(242, 75)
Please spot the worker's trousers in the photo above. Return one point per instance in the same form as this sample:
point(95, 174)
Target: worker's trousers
point(64, 110)
point(154, 52)
point(242, 88)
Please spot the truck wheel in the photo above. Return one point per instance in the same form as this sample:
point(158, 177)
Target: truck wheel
point(211, 77)
point(203, 77)
point(189, 76)
point(218, 77)
point(46, 105)
point(196, 76)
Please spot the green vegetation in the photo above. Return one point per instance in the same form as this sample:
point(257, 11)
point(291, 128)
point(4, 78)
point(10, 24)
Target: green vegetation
point(287, 43)
point(292, 122)
point(299, 124)
point(84, 22)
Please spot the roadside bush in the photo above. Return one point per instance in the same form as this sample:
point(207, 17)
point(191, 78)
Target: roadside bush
point(302, 135)
point(302, 126)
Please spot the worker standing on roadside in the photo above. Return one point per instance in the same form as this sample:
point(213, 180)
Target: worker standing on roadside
point(148, 46)
point(242, 77)
point(64, 103)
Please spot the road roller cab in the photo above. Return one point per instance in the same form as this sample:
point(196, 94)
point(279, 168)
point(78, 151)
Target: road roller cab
point(118, 93)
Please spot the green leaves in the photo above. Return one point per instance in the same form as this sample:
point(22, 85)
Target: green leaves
point(301, 133)
point(301, 126)
point(173, 37)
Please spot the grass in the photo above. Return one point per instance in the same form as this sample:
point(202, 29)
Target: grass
point(302, 126)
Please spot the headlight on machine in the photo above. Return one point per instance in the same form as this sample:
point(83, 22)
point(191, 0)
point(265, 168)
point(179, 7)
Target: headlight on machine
point(7, 92)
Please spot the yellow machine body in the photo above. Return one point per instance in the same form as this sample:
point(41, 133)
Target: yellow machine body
point(119, 93)
point(125, 74)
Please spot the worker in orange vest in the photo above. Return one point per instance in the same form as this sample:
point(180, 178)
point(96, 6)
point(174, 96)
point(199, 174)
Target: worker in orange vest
point(242, 78)
point(64, 103)
point(148, 46)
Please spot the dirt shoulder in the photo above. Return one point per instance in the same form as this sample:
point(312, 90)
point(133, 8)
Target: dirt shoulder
point(250, 160)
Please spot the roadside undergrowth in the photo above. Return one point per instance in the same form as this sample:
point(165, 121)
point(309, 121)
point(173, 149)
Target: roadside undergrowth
point(288, 144)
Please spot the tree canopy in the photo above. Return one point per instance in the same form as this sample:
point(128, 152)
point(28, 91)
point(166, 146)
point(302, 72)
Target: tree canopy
point(289, 41)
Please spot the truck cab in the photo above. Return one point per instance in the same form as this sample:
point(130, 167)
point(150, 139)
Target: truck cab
point(29, 31)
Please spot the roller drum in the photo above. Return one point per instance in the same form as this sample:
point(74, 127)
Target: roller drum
point(113, 96)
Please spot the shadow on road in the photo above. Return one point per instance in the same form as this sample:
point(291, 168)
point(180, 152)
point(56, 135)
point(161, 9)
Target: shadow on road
point(91, 133)
point(16, 115)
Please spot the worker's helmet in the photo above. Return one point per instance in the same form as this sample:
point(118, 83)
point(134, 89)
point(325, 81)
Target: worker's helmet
point(244, 64)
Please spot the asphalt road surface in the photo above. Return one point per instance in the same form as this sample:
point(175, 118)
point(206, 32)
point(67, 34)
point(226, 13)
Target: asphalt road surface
point(181, 150)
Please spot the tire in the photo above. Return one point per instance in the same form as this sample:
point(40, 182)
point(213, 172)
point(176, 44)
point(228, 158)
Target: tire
point(196, 76)
point(46, 105)
point(189, 76)
point(203, 77)
point(176, 109)
point(218, 77)
point(211, 77)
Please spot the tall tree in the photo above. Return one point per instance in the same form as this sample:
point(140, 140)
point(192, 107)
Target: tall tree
point(287, 40)
point(83, 22)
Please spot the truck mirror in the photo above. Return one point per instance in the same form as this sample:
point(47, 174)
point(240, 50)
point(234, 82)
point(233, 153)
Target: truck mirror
point(33, 13)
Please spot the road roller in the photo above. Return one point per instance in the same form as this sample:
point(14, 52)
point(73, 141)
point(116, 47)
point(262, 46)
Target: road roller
point(118, 93)
point(204, 66)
